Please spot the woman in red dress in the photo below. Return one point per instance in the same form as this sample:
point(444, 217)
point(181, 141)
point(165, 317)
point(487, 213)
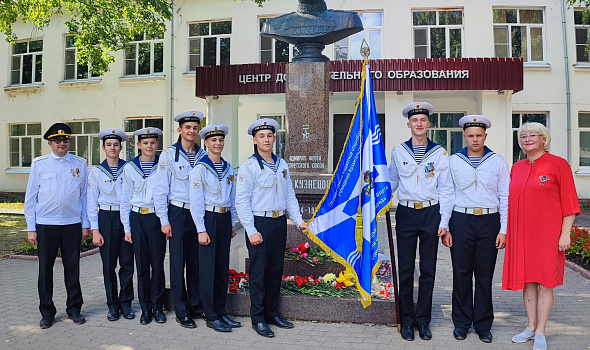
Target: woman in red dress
point(542, 204)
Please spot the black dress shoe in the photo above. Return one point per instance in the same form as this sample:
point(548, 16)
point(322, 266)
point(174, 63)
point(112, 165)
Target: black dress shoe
point(263, 330)
point(77, 318)
point(198, 315)
point(424, 332)
point(460, 333)
point(407, 333)
point(113, 313)
point(186, 322)
point(485, 336)
point(228, 321)
point(218, 326)
point(146, 318)
point(46, 322)
point(127, 312)
point(159, 316)
point(279, 322)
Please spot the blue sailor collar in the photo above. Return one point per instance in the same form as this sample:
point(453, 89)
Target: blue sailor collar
point(273, 166)
point(137, 165)
point(179, 146)
point(104, 167)
point(487, 153)
point(206, 161)
point(430, 147)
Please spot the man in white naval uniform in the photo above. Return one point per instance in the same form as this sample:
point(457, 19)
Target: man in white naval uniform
point(212, 196)
point(171, 198)
point(104, 200)
point(419, 170)
point(264, 194)
point(478, 227)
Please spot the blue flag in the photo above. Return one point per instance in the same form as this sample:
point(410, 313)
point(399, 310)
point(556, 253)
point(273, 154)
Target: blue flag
point(345, 221)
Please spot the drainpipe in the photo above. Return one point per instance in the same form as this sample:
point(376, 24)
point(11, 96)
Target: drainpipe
point(172, 72)
point(567, 84)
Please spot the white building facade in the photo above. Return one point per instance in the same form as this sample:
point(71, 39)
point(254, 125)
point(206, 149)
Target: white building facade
point(155, 78)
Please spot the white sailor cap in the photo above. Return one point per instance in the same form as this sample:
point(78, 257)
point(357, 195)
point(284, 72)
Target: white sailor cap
point(189, 116)
point(475, 120)
point(112, 134)
point(263, 124)
point(418, 108)
point(147, 133)
point(214, 130)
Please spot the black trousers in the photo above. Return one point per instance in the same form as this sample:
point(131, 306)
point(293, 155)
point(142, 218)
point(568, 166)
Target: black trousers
point(473, 254)
point(266, 267)
point(114, 250)
point(149, 245)
point(184, 252)
point(50, 238)
point(411, 225)
point(214, 264)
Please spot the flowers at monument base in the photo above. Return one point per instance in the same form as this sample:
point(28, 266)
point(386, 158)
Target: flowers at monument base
point(580, 243)
point(384, 269)
point(346, 279)
point(382, 290)
point(309, 254)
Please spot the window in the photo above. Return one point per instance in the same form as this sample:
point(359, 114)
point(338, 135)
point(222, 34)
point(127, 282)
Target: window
point(445, 130)
point(145, 55)
point(582, 24)
point(25, 144)
point(27, 62)
point(73, 69)
point(272, 50)
point(519, 33)
point(279, 147)
point(438, 34)
point(133, 124)
point(84, 141)
point(349, 48)
point(517, 120)
point(209, 44)
point(584, 125)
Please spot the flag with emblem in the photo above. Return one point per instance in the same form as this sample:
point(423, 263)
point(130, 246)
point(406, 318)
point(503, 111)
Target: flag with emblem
point(345, 221)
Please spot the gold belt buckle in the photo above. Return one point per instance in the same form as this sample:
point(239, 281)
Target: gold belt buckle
point(418, 205)
point(222, 210)
point(275, 214)
point(144, 210)
point(477, 211)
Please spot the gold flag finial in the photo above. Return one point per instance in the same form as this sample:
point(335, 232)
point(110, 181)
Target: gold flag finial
point(365, 50)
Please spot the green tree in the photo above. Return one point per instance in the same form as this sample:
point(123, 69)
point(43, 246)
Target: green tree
point(586, 15)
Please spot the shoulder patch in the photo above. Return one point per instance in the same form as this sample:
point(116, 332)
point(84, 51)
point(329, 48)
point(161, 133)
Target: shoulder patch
point(241, 178)
point(444, 153)
point(196, 183)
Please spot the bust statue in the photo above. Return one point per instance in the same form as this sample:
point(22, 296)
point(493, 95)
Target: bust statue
point(311, 28)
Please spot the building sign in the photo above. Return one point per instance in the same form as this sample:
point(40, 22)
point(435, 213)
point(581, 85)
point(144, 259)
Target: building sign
point(388, 75)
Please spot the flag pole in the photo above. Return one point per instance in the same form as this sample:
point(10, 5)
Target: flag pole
point(393, 271)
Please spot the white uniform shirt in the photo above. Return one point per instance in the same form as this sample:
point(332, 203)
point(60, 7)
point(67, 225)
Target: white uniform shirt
point(136, 191)
point(173, 180)
point(56, 191)
point(103, 190)
point(484, 187)
point(210, 188)
point(429, 180)
point(265, 190)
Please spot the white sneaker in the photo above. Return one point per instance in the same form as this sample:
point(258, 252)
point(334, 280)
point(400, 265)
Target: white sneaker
point(525, 336)
point(540, 342)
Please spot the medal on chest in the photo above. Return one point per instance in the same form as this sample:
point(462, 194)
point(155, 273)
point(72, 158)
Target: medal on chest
point(429, 170)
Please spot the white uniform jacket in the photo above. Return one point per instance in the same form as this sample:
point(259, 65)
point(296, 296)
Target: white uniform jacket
point(210, 188)
point(56, 191)
point(173, 179)
point(136, 191)
point(265, 190)
point(429, 180)
point(103, 190)
point(484, 187)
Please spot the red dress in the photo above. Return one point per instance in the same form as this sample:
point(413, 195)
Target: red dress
point(541, 195)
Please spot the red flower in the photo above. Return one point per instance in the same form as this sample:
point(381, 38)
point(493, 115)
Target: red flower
point(287, 247)
point(301, 248)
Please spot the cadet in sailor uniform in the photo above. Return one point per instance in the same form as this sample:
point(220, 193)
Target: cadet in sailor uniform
point(104, 200)
point(55, 211)
point(478, 227)
point(171, 198)
point(264, 192)
point(419, 170)
point(213, 210)
point(142, 226)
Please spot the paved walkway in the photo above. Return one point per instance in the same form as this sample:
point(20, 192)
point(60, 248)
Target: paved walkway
point(568, 328)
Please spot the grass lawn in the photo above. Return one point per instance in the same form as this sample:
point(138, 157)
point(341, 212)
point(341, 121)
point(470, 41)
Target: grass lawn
point(13, 229)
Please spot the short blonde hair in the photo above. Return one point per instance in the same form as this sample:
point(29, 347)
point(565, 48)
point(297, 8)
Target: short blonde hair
point(537, 127)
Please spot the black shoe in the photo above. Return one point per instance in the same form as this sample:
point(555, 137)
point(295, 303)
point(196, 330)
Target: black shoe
point(159, 316)
point(263, 330)
point(113, 313)
point(186, 322)
point(424, 332)
point(228, 321)
point(218, 326)
point(127, 312)
point(197, 315)
point(485, 336)
point(77, 318)
point(279, 322)
point(146, 318)
point(460, 333)
point(407, 333)
point(46, 322)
